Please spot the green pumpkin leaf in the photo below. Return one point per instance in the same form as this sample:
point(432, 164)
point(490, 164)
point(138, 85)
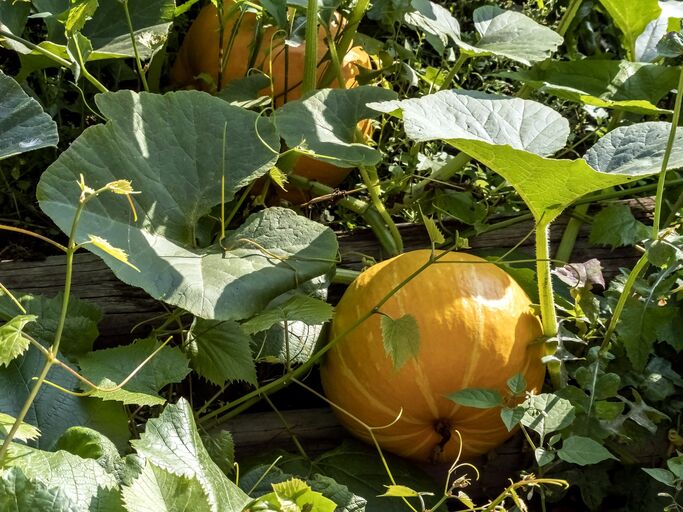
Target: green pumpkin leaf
point(20, 494)
point(23, 123)
point(158, 490)
point(325, 123)
point(13, 341)
point(631, 18)
point(54, 411)
point(221, 448)
point(80, 11)
point(477, 397)
point(474, 115)
point(81, 481)
point(171, 149)
point(14, 16)
point(221, 352)
point(401, 339)
point(670, 45)
point(583, 451)
point(108, 368)
point(171, 442)
point(615, 226)
point(512, 35)
point(621, 85)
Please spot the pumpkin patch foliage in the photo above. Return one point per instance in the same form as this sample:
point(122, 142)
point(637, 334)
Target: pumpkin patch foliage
point(341, 256)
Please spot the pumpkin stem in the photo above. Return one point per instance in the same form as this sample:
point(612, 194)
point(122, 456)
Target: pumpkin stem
point(443, 427)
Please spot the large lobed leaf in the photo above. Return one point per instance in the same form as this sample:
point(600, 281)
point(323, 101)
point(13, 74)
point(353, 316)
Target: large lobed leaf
point(171, 147)
point(23, 124)
point(521, 124)
point(511, 34)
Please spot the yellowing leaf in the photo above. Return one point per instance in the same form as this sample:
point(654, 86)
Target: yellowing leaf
point(112, 251)
point(400, 491)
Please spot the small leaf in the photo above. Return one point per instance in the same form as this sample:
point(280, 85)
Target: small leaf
point(13, 342)
point(221, 449)
point(220, 352)
point(671, 45)
point(401, 339)
point(675, 465)
point(631, 17)
point(299, 307)
point(546, 413)
point(80, 11)
point(583, 451)
point(543, 456)
point(435, 234)
point(615, 226)
point(476, 397)
point(108, 368)
point(517, 384)
point(26, 431)
point(400, 491)
point(662, 475)
point(581, 275)
point(436, 21)
point(512, 417)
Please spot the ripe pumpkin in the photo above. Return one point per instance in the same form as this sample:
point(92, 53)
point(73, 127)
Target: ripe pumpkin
point(199, 54)
point(476, 331)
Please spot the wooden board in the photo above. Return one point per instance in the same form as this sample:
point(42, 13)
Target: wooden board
point(126, 306)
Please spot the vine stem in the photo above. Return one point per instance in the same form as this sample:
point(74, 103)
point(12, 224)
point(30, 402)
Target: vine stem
point(138, 63)
point(283, 381)
point(568, 17)
point(665, 160)
point(311, 52)
point(369, 175)
point(50, 360)
point(545, 296)
point(462, 59)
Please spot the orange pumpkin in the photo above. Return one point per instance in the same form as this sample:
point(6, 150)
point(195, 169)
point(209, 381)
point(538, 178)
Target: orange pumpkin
point(476, 331)
point(199, 54)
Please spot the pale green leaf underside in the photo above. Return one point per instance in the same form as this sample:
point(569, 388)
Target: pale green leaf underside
point(401, 337)
point(511, 34)
point(436, 21)
point(83, 481)
point(631, 17)
point(157, 490)
point(171, 148)
point(24, 126)
point(109, 367)
point(622, 85)
point(19, 494)
point(171, 442)
point(522, 124)
point(325, 123)
point(220, 352)
point(636, 150)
